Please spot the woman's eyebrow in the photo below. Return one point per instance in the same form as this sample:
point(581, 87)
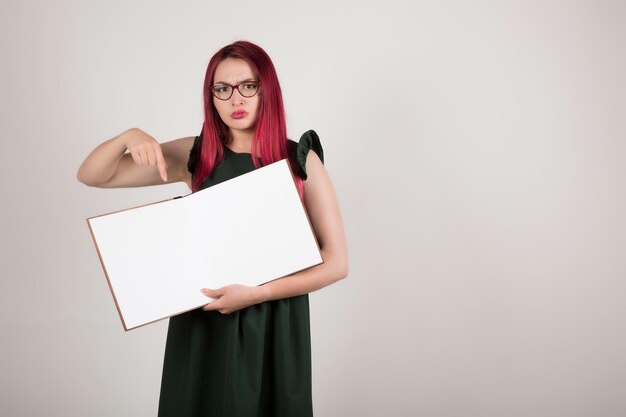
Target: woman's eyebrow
point(247, 79)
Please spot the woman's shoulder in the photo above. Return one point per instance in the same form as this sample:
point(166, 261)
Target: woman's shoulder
point(298, 151)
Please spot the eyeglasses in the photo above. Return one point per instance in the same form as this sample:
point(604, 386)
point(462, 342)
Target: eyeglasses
point(247, 89)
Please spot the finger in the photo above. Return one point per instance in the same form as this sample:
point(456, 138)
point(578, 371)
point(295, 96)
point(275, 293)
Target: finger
point(160, 161)
point(150, 155)
point(213, 305)
point(213, 293)
point(142, 157)
point(136, 157)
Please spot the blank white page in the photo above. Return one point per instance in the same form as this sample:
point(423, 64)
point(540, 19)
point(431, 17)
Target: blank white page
point(146, 254)
point(253, 228)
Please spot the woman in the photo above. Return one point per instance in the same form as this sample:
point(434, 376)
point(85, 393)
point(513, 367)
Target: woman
point(247, 352)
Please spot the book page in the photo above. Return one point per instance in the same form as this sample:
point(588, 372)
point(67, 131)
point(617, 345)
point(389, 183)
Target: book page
point(253, 228)
point(147, 257)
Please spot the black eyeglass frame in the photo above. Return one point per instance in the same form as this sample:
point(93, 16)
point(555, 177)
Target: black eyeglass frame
point(232, 89)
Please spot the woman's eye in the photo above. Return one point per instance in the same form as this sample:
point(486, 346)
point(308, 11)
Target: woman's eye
point(221, 89)
point(249, 86)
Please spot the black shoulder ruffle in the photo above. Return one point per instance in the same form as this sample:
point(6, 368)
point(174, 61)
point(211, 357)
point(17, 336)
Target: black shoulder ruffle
point(309, 140)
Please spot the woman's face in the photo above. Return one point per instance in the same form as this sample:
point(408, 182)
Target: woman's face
point(234, 71)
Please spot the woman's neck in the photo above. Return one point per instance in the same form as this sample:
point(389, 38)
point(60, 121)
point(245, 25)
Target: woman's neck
point(242, 140)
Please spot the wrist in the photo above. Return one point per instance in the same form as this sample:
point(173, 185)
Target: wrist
point(132, 133)
point(263, 293)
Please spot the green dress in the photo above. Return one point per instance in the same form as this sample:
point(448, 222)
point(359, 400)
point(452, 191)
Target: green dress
point(253, 362)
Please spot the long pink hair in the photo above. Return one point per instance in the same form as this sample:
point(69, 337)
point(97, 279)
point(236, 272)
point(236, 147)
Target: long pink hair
point(270, 133)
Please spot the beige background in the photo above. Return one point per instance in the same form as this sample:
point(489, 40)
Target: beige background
point(477, 150)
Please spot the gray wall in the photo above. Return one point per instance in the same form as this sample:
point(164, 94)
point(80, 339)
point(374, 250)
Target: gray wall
point(477, 150)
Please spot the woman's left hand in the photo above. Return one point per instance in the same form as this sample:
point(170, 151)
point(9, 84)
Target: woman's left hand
point(232, 298)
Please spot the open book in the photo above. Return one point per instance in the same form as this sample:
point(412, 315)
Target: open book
point(248, 230)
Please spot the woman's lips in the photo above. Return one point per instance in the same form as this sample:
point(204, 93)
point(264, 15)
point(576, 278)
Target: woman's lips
point(239, 114)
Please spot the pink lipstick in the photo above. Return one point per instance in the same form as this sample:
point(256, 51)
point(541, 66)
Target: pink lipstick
point(239, 114)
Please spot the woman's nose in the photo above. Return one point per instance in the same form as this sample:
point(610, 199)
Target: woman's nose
point(236, 98)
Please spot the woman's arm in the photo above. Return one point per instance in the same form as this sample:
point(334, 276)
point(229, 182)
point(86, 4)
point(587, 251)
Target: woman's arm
point(147, 162)
point(323, 210)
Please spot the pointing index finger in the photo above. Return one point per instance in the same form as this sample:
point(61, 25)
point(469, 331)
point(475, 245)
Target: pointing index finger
point(161, 163)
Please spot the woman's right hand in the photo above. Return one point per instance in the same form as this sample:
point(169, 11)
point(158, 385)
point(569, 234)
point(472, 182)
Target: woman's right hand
point(145, 150)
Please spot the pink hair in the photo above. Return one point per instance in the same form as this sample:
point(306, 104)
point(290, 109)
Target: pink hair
point(270, 133)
